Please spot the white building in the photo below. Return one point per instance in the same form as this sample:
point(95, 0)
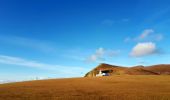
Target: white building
point(101, 73)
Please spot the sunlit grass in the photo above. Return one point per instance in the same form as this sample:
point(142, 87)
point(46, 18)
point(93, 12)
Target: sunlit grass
point(118, 87)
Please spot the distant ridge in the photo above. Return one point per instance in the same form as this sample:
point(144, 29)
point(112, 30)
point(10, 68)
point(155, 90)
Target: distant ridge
point(161, 69)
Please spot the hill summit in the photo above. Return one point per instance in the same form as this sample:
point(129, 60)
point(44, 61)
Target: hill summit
point(109, 70)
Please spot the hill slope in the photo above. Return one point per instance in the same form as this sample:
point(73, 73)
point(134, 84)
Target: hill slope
point(118, 87)
point(136, 70)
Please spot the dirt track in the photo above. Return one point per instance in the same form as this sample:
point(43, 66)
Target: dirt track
point(119, 87)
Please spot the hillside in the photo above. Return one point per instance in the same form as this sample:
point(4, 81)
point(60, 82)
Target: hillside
point(135, 70)
point(117, 87)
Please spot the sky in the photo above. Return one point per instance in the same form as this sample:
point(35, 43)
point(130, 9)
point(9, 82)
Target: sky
point(68, 38)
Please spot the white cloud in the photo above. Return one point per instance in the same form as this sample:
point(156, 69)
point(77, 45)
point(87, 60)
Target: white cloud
point(68, 70)
point(146, 35)
point(93, 58)
point(144, 49)
point(97, 56)
point(101, 54)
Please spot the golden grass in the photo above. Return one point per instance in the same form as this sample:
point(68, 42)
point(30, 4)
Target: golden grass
point(118, 87)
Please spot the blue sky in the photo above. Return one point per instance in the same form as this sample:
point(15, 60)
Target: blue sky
point(67, 38)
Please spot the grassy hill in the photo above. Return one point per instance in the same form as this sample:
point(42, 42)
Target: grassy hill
point(135, 70)
point(117, 87)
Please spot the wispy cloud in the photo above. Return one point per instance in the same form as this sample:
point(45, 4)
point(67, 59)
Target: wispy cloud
point(10, 60)
point(98, 55)
point(146, 35)
point(36, 44)
point(101, 54)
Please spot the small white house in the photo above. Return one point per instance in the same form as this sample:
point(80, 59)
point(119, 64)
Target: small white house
point(101, 74)
point(104, 72)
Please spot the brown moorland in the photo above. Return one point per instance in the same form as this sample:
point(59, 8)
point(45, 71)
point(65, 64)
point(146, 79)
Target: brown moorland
point(162, 69)
point(117, 87)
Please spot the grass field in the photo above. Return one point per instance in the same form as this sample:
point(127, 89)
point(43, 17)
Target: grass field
point(118, 87)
